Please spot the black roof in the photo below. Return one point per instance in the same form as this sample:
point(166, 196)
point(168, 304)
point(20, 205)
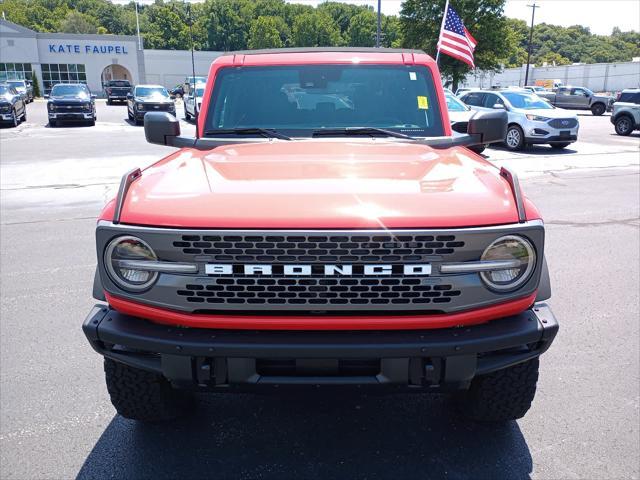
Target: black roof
point(323, 49)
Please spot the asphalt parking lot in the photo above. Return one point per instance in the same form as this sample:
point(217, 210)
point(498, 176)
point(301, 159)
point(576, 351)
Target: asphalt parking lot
point(56, 420)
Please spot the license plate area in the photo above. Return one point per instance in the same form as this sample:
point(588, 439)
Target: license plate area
point(565, 134)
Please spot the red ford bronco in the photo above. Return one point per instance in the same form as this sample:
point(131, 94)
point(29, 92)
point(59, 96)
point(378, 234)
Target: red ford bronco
point(325, 227)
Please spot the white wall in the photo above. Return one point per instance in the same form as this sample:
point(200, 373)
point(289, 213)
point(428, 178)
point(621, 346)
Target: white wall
point(170, 67)
point(599, 77)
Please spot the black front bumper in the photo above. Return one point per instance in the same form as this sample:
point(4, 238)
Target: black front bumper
point(212, 359)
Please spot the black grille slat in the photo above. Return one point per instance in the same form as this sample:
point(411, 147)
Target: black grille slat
point(563, 123)
point(317, 291)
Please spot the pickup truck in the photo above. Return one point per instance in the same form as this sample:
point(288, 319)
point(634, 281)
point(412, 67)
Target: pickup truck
point(325, 228)
point(117, 91)
point(578, 98)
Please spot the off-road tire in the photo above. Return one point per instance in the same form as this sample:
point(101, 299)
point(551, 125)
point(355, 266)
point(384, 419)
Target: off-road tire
point(478, 148)
point(15, 120)
point(560, 145)
point(144, 396)
point(624, 125)
point(24, 114)
point(187, 116)
point(501, 396)
point(598, 108)
point(514, 139)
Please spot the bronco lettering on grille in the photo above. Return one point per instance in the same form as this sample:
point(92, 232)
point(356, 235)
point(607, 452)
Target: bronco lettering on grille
point(421, 269)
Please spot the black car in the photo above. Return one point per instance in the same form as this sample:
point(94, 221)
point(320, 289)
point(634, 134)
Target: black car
point(117, 90)
point(148, 98)
point(13, 108)
point(71, 102)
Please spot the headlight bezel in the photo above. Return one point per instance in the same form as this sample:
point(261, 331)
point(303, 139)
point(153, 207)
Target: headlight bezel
point(537, 118)
point(520, 280)
point(113, 274)
point(139, 106)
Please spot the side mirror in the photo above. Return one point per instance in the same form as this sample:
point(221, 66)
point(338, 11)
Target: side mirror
point(129, 96)
point(488, 126)
point(161, 128)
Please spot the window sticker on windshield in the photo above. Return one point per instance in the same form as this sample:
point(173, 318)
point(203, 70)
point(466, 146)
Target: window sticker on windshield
point(423, 103)
point(413, 76)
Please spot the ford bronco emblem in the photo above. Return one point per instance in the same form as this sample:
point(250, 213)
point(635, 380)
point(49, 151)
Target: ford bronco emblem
point(325, 270)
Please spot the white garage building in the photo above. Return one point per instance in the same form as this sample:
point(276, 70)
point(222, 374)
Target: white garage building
point(91, 59)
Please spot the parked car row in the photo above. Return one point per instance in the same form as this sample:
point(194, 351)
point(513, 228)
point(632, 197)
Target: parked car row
point(13, 108)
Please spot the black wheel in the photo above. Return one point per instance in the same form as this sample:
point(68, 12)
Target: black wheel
point(501, 396)
point(514, 140)
point(560, 145)
point(144, 396)
point(24, 114)
point(139, 121)
point(598, 109)
point(14, 118)
point(187, 116)
point(129, 115)
point(624, 125)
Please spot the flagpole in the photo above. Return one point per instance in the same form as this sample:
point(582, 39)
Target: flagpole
point(444, 17)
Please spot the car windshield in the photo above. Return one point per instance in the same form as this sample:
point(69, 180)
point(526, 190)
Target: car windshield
point(70, 91)
point(301, 100)
point(119, 83)
point(526, 101)
point(145, 92)
point(17, 85)
point(454, 104)
point(200, 91)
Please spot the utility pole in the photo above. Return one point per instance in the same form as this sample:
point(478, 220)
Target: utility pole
point(138, 26)
point(533, 14)
point(379, 28)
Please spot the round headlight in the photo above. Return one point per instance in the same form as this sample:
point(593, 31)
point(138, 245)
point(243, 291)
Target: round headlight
point(118, 252)
point(52, 107)
point(510, 248)
point(140, 106)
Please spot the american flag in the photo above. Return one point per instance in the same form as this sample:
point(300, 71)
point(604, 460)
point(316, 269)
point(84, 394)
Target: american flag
point(455, 40)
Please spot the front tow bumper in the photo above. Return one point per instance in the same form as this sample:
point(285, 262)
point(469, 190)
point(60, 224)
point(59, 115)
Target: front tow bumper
point(219, 359)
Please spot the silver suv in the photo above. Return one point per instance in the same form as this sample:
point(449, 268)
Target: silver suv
point(532, 120)
point(626, 112)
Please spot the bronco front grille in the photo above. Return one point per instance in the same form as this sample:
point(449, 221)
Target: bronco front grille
point(563, 123)
point(318, 291)
point(318, 248)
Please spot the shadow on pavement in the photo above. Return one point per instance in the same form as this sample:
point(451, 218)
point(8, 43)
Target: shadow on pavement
point(311, 436)
point(542, 149)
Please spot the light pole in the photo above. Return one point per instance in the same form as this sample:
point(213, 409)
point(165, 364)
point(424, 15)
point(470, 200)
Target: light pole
point(138, 26)
point(533, 14)
point(378, 31)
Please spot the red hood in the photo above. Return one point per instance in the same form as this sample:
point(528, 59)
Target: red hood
point(321, 184)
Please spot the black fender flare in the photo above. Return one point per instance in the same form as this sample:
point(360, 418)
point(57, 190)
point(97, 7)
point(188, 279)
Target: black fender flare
point(544, 287)
point(98, 291)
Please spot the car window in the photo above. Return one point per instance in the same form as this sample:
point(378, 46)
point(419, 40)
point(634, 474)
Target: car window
point(491, 99)
point(526, 101)
point(119, 83)
point(62, 90)
point(563, 91)
point(151, 92)
point(473, 98)
point(301, 99)
point(579, 92)
point(454, 104)
point(630, 97)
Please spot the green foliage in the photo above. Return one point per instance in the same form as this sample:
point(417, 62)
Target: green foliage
point(268, 32)
point(421, 20)
point(76, 22)
point(35, 83)
point(315, 30)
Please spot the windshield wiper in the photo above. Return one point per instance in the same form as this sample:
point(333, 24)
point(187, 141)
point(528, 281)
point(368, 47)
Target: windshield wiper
point(360, 131)
point(265, 132)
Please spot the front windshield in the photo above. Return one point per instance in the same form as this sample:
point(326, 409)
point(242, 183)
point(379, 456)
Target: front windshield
point(69, 91)
point(454, 104)
point(299, 100)
point(526, 101)
point(17, 85)
point(119, 83)
point(145, 92)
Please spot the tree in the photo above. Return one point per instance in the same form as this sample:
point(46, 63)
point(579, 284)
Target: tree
point(35, 83)
point(362, 29)
point(76, 22)
point(315, 30)
point(421, 21)
point(268, 32)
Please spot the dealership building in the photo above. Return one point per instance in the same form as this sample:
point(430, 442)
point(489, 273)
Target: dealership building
point(91, 59)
